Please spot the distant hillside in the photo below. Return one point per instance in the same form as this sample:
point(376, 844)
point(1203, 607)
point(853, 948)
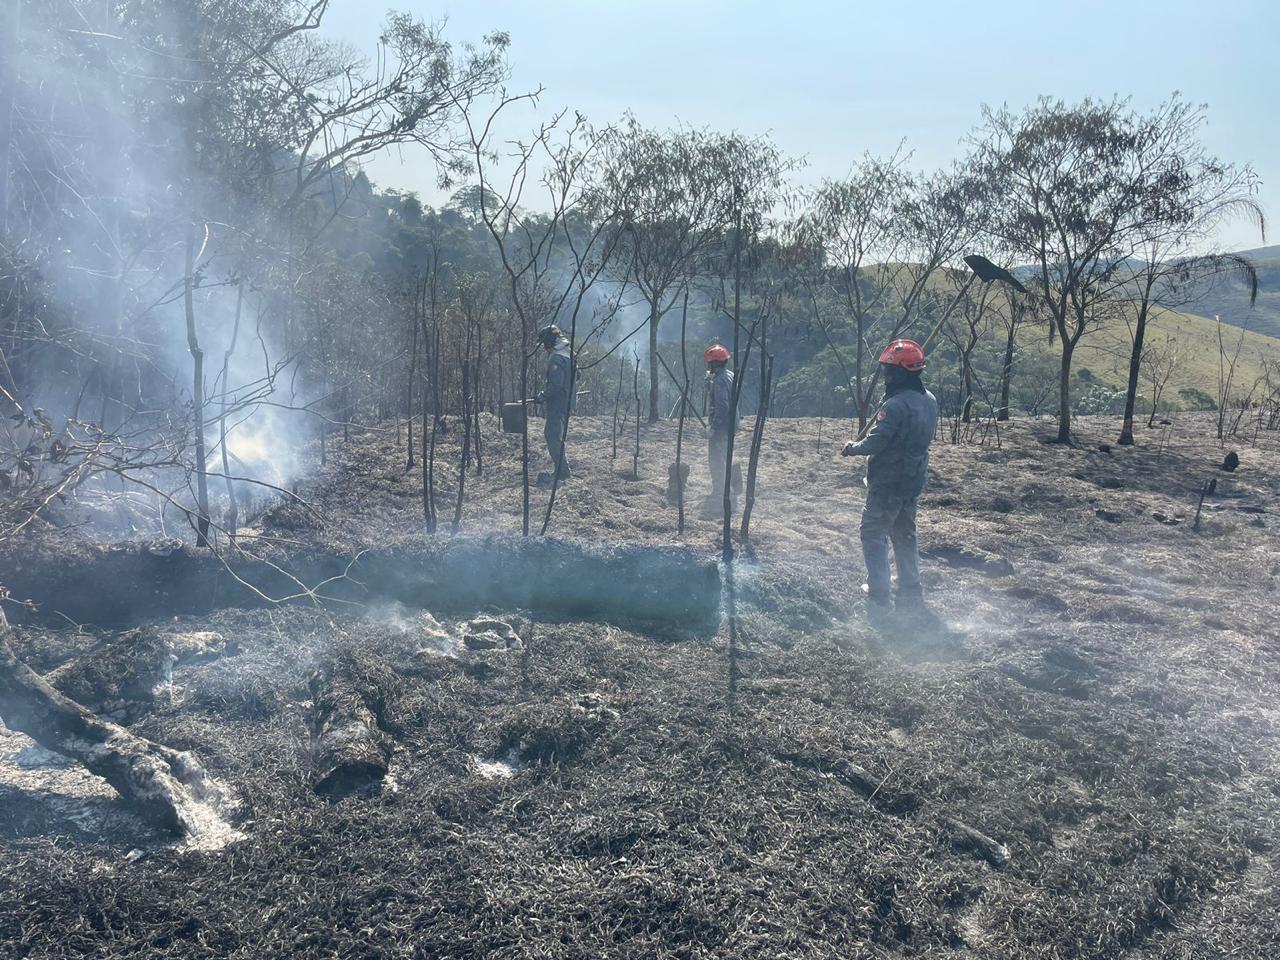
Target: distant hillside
point(1106, 351)
point(1229, 297)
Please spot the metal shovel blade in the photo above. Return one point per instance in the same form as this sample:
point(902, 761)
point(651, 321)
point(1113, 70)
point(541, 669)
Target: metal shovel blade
point(987, 272)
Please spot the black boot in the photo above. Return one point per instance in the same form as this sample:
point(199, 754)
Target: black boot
point(880, 612)
point(912, 609)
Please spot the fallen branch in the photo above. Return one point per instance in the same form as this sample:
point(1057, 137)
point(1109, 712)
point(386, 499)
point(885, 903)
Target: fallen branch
point(964, 837)
point(167, 787)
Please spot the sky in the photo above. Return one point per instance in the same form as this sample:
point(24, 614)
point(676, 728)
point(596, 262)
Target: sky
point(828, 80)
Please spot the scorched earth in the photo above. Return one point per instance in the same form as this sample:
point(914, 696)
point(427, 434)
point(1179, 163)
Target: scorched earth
point(563, 748)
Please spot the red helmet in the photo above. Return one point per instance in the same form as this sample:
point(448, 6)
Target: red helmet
point(717, 351)
point(904, 353)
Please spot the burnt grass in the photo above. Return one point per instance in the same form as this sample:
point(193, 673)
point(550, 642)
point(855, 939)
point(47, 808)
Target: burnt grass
point(1100, 694)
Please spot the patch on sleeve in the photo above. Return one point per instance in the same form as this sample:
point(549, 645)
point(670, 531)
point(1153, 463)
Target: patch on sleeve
point(880, 414)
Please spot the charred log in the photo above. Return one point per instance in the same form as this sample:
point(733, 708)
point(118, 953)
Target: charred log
point(350, 751)
point(166, 787)
point(857, 778)
point(898, 802)
point(489, 634)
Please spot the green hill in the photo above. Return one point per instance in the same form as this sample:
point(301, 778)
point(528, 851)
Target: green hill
point(1229, 297)
point(1106, 352)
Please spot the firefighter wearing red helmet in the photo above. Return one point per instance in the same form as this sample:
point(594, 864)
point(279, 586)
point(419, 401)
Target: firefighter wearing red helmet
point(897, 448)
point(722, 423)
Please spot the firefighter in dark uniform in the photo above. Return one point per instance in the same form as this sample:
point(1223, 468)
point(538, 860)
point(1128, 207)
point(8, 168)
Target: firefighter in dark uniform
point(556, 399)
point(722, 423)
point(897, 448)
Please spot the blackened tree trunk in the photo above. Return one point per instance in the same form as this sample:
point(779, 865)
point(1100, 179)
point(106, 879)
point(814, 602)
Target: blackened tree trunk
point(501, 397)
point(524, 428)
point(233, 509)
point(726, 530)
point(617, 404)
point(413, 370)
point(635, 389)
point(757, 438)
point(654, 317)
point(428, 469)
point(863, 400)
point(1006, 374)
point(466, 436)
point(966, 381)
point(321, 415)
point(1064, 391)
point(1135, 368)
point(429, 425)
point(476, 403)
point(197, 393)
point(684, 404)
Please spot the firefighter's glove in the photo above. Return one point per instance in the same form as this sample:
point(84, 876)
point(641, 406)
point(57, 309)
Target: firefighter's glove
point(850, 449)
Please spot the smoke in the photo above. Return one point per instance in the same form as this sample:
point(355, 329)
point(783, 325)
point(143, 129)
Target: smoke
point(394, 615)
point(108, 190)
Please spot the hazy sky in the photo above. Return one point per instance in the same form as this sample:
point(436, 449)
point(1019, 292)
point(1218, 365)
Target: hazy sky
point(828, 80)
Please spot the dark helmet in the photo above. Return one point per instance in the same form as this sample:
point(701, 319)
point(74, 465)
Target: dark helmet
point(549, 336)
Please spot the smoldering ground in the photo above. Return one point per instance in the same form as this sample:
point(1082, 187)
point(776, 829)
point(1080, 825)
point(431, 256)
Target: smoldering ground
point(1100, 705)
point(139, 245)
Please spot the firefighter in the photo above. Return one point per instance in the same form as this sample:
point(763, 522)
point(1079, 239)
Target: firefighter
point(897, 448)
point(722, 423)
point(556, 399)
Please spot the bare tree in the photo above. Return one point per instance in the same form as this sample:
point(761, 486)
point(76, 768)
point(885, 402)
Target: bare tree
point(553, 260)
point(676, 193)
point(851, 222)
point(1159, 363)
point(969, 327)
point(635, 392)
point(197, 389)
point(1075, 185)
point(1189, 196)
point(1228, 361)
point(884, 234)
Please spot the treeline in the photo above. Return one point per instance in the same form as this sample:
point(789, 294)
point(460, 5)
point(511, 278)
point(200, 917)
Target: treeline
point(197, 280)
